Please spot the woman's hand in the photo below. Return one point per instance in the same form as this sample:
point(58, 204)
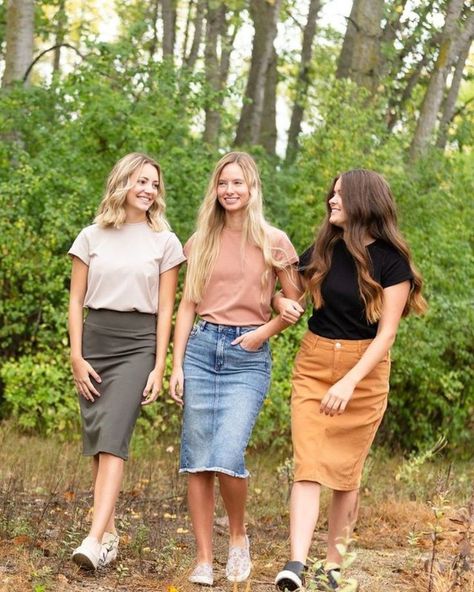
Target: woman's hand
point(289, 310)
point(250, 341)
point(336, 399)
point(82, 371)
point(153, 386)
point(177, 385)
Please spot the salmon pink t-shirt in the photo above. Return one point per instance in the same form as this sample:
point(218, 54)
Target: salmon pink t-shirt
point(234, 295)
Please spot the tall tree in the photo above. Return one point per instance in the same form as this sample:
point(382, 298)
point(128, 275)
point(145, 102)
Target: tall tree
point(169, 16)
point(360, 56)
point(303, 79)
point(61, 23)
point(264, 14)
point(19, 36)
point(200, 9)
point(449, 106)
point(268, 128)
point(453, 37)
point(214, 22)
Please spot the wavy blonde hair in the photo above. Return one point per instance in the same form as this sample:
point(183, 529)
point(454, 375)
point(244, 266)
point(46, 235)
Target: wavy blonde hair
point(111, 211)
point(370, 210)
point(211, 221)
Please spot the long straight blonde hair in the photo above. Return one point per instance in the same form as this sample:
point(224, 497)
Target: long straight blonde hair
point(211, 221)
point(111, 211)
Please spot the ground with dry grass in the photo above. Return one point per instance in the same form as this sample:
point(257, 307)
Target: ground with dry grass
point(414, 532)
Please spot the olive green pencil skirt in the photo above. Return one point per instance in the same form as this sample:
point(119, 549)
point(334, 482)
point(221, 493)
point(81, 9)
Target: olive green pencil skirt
point(120, 346)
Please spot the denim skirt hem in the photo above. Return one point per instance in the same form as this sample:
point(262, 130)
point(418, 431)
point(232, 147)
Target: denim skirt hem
point(216, 470)
point(224, 389)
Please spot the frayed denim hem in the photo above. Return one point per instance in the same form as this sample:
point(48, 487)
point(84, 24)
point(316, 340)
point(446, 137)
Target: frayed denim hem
point(215, 470)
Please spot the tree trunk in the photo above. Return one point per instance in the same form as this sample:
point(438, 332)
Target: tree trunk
point(302, 83)
point(168, 14)
point(19, 37)
point(360, 57)
point(449, 106)
point(268, 129)
point(190, 60)
point(154, 19)
point(450, 37)
point(215, 16)
point(61, 23)
point(265, 16)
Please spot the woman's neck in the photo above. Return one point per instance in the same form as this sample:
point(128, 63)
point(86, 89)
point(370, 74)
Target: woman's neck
point(234, 221)
point(368, 239)
point(134, 217)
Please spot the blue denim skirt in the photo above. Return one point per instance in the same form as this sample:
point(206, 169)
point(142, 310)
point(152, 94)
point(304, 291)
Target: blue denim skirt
point(224, 389)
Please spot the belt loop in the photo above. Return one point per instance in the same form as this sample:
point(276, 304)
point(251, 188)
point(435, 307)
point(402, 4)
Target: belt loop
point(238, 331)
point(202, 324)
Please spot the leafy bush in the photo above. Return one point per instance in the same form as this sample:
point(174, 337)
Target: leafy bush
point(60, 143)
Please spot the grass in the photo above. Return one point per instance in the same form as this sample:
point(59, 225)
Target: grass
point(415, 530)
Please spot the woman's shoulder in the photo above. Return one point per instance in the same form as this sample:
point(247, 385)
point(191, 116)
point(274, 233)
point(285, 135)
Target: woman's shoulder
point(385, 249)
point(276, 235)
point(90, 231)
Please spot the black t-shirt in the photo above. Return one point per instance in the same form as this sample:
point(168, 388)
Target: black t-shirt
point(343, 314)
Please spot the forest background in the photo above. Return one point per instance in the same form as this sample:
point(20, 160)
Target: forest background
point(185, 80)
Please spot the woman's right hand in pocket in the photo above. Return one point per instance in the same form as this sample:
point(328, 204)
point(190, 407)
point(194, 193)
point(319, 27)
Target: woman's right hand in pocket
point(82, 372)
point(177, 385)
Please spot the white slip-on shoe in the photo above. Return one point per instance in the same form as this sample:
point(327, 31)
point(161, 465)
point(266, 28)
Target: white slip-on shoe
point(109, 549)
point(87, 555)
point(202, 574)
point(238, 564)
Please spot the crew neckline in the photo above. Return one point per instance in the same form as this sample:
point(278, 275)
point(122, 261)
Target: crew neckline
point(135, 223)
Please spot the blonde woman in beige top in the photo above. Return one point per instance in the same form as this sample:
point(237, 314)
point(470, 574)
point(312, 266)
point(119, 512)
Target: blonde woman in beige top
point(124, 271)
point(221, 365)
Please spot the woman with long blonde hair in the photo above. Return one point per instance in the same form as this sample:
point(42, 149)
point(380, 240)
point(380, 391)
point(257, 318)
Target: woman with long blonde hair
point(221, 365)
point(124, 271)
point(360, 276)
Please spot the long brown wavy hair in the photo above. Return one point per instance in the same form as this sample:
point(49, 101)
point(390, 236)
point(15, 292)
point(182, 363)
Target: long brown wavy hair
point(370, 210)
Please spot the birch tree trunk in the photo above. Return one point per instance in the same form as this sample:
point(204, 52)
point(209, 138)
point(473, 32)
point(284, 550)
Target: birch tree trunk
point(449, 106)
point(302, 82)
point(451, 38)
point(360, 56)
point(265, 16)
point(19, 38)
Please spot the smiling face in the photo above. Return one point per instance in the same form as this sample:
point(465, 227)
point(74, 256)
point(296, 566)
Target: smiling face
point(233, 192)
point(337, 215)
point(144, 191)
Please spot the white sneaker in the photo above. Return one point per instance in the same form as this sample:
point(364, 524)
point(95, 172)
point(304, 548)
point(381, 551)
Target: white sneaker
point(109, 549)
point(202, 574)
point(87, 555)
point(239, 564)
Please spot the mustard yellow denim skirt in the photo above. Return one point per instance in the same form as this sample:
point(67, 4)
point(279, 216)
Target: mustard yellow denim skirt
point(332, 450)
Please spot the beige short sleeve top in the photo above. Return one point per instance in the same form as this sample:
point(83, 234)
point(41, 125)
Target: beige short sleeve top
point(125, 265)
point(234, 293)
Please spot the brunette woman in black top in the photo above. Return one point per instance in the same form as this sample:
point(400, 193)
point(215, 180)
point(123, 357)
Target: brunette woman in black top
point(361, 279)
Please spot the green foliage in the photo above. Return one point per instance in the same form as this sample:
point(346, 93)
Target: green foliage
point(39, 394)
point(60, 143)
